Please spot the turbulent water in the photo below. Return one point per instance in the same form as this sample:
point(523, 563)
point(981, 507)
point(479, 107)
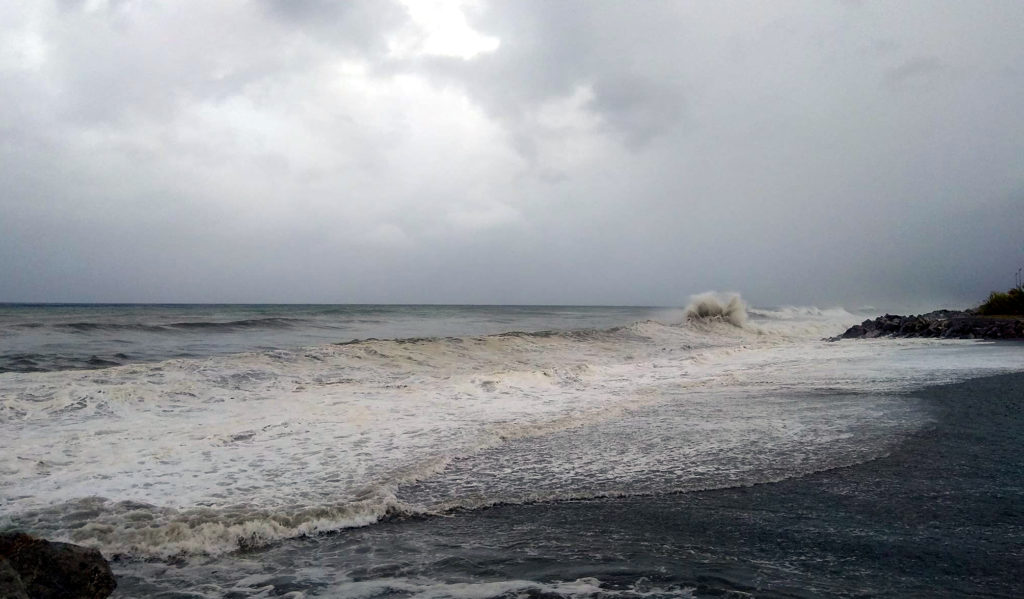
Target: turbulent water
point(329, 450)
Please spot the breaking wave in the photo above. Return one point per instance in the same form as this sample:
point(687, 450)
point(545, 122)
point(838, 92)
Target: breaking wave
point(801, 312)
point(726, 307)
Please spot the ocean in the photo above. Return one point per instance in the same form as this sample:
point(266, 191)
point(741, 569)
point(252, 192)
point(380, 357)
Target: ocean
point(470, 452)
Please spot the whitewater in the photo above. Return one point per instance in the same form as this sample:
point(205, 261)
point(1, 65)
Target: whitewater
point(206, 456)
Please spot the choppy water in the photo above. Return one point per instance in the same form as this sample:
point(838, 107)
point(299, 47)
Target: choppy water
point(43, 337)
point(441, 457)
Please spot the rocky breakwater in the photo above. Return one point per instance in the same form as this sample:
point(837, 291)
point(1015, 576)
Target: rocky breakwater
point(946, 324)
point(32, 568)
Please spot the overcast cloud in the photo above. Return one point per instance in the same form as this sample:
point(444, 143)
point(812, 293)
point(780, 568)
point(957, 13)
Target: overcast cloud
point(511, 152)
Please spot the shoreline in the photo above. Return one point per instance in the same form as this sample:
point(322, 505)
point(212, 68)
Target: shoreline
point(939, 515)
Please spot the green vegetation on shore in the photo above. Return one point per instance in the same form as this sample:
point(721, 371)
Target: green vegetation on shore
point(1010, 303)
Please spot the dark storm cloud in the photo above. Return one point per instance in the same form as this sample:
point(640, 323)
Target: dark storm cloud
point(356, 24)
point(794, 167)
point(638, 109)
point(620, 52)
point(580, 152)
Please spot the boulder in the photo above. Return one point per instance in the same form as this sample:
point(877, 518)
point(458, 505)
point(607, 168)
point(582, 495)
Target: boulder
point(34, 568)
point(10, 583)
point(947, 324)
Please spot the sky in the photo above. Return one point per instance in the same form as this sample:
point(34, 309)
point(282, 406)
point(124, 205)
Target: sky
point(519, 152)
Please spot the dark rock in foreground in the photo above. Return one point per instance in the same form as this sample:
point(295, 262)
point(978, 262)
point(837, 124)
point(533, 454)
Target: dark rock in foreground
point(10, 583)
point(946, 324)
point(32, 568)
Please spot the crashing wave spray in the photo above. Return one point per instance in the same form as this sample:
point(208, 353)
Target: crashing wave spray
point(726, 307)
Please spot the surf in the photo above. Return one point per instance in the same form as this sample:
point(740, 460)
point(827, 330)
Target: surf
point(199, 456)
point(726, 307)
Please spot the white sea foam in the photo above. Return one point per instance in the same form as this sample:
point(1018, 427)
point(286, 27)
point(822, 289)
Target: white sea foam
point(590, 588)
point(211, 455)
point(257, 585)
point(802, 313)
point(728, 307)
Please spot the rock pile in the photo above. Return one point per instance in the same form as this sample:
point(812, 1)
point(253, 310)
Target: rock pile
point(32, 568)
point(949, 324)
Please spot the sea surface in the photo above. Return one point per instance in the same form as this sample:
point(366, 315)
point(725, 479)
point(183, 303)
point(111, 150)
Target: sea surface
point(706, 450)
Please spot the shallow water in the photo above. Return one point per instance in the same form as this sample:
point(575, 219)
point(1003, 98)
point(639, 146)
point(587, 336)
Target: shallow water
point(940, 515)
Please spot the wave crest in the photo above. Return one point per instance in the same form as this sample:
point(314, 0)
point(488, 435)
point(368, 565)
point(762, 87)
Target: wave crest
point(712, 305)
